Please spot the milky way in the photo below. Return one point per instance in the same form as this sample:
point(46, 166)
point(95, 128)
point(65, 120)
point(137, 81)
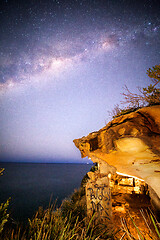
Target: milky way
point(51, 36)
point(89, 47)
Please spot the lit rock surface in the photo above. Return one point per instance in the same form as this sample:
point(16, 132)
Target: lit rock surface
point(98, 197)
point(129, 144)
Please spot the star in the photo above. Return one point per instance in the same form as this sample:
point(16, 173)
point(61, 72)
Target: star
point(67, 61)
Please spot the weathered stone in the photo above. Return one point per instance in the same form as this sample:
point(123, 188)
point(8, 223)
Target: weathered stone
point(98, 197)
point(130, 143)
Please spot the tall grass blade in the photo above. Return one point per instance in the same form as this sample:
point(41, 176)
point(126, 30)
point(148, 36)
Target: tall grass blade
point(90, 223)
point(138, 231)
point(157, 231)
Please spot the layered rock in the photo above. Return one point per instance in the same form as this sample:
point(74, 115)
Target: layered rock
point(129, 144)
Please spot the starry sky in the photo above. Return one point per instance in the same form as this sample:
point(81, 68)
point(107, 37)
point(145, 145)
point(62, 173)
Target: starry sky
point(63, 67)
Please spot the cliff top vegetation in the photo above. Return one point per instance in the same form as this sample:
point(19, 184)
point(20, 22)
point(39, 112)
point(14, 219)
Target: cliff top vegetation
point(147, 96)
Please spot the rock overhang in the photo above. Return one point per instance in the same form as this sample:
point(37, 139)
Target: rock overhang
point(129, 143)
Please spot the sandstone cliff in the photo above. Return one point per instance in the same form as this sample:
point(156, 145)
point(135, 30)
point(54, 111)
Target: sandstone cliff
point(129, 144)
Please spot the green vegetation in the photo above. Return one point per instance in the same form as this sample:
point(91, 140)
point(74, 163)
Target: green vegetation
point(147, 96)
point(3, 214)
point(65, 223)
point(152, 227)
point(70, 222)
point(3, 210)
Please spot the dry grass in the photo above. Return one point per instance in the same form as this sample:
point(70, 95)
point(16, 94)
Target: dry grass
point(69, 222)
point(66, 223)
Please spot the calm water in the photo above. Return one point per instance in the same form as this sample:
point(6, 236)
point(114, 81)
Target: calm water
point(33, 185)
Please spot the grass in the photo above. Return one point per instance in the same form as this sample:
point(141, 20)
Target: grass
point(3, 214)
point(150, 230)
point(64, 223)
point(70, 222)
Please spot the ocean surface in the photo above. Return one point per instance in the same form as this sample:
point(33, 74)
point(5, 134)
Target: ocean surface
point(31, 185)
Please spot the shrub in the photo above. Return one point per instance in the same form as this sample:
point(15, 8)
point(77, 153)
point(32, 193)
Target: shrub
point(3, 214)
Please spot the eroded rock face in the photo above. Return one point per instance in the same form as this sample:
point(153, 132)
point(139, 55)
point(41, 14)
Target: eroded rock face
point(98, 197)
point(129, 144)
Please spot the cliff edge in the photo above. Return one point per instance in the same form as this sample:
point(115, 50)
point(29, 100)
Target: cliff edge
point(129, 143)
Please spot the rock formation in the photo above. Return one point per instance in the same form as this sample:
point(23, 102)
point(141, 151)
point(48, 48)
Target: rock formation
point(129, 144)
point(98, 197)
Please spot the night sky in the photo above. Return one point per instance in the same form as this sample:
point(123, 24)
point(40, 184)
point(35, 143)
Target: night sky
point(63, 66)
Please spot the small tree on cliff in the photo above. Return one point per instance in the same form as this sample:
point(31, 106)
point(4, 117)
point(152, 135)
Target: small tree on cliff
point(146, 97)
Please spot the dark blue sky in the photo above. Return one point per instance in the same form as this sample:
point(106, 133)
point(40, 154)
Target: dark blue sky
point(63, 66)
